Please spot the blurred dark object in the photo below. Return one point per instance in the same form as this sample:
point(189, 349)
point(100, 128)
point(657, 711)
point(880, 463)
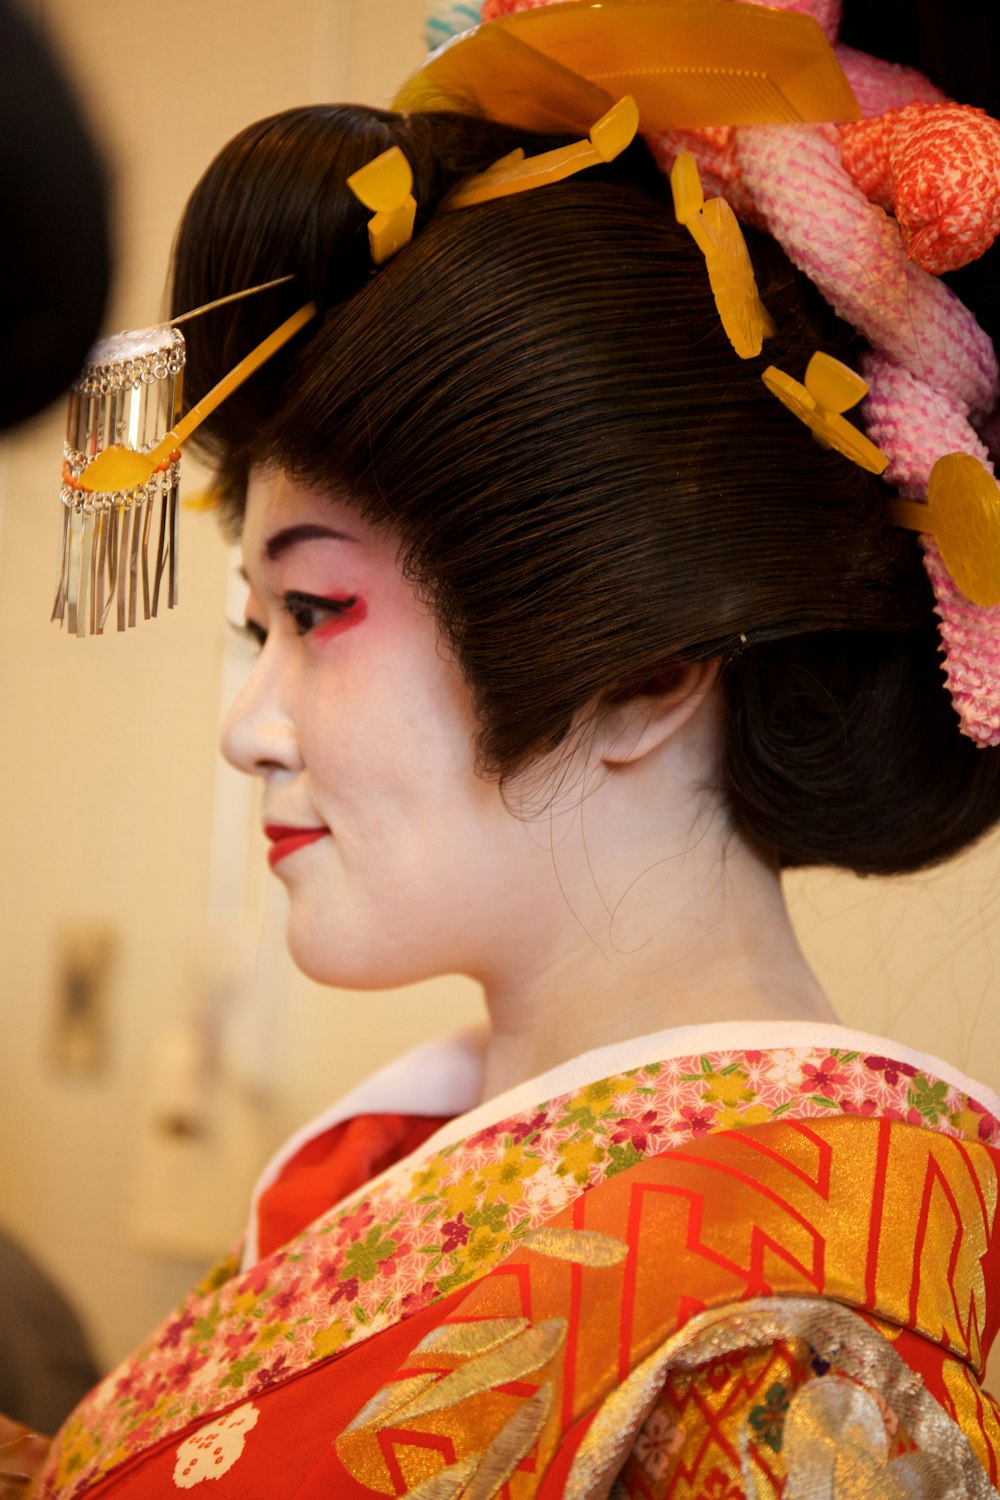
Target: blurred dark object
point(55, 255)
point(955, 45)
point(45, 1363)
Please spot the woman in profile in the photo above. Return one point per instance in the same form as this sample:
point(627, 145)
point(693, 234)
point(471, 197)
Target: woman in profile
point(572, 638)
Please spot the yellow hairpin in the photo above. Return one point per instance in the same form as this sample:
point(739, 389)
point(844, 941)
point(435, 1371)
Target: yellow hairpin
point(830, 388)
point(716, 231)
point(516, 173)
point(963, 516)
point(385, 185)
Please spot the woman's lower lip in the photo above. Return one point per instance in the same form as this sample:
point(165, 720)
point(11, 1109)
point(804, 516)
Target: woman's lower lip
point(288, 843)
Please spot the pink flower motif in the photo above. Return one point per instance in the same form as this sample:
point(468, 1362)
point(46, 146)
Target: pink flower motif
point(989, 1125)
point(235, 1342)
point(276, 1371)
point(347, 1291)
point(822, 1079)
point(177, 1329)
point(488, 1136)
point(523, 1128)
point(144, 1400)
point(893, 1070)
point(355, 1223)
point(456, 1232)
point(146, 1431)
point(867, 1107)
point(518, 1130)
point(258, 1276)
point(412, 1303)
point(125, 1388)
point(656, 1444)
point(699, 1122)
point(282, 1302)
point(180, 1374)
point(635, 1132)
point(328, 1275)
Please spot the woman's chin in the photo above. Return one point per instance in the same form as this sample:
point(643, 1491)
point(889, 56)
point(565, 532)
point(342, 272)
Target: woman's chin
point(347, 963)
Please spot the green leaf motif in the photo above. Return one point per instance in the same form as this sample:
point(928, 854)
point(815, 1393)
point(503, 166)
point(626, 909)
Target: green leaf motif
point(364, 1257)
point(582, 1117)
point(239, 1370)
point(931, 1099)
point(489, 1216)
point(620, 1158)
point(769, 1420)
point(455, 1279)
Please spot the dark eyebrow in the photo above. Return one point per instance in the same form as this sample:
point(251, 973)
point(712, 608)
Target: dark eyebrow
point(282, 541)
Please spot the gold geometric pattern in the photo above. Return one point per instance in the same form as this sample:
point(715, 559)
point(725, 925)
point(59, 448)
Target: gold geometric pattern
point(590, 1327)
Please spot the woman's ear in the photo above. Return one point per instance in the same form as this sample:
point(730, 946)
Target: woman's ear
point(632, 727)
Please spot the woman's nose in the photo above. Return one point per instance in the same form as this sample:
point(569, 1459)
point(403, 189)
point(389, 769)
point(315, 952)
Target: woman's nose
point(258, 733)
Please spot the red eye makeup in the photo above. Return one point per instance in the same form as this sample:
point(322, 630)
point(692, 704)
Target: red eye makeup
point(324, 616)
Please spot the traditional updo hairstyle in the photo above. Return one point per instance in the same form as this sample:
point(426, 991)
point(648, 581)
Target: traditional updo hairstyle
point(537, 396)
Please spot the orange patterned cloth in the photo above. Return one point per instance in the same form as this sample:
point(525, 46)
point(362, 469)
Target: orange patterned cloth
point(673, 1254)
point(887, 1219)
point(936, 167)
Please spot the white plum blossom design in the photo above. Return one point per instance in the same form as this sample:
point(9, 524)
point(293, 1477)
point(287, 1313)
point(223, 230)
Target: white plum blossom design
point(213, 1449)
point(785, 1068)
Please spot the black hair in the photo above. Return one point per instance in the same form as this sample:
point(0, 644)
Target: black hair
point(536, 394)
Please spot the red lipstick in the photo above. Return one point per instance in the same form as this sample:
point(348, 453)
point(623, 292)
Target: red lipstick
point(285, 841)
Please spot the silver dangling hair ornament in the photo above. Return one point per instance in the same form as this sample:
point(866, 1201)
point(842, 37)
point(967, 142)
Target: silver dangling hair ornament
point(121, 468)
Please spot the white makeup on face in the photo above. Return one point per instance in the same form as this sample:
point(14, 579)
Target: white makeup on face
point(619, 904)
point(400, 861)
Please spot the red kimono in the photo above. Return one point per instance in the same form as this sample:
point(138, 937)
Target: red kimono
point(682, 1267)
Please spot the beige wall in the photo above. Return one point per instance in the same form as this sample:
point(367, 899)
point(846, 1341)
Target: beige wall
point(115, 814)
point(108, 751)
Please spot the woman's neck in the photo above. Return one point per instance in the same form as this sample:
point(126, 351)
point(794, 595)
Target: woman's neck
point(646, 935)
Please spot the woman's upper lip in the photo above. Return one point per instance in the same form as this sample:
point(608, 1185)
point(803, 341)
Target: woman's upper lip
point(276, 831)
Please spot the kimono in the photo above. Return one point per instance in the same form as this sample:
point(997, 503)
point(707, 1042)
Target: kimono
point(718, 1263)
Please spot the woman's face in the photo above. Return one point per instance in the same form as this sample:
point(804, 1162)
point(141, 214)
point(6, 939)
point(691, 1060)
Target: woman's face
point(400, 862)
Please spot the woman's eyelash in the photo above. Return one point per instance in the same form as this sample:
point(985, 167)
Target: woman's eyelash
point(306, 610)
point(250, 631)
point(309, 610)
